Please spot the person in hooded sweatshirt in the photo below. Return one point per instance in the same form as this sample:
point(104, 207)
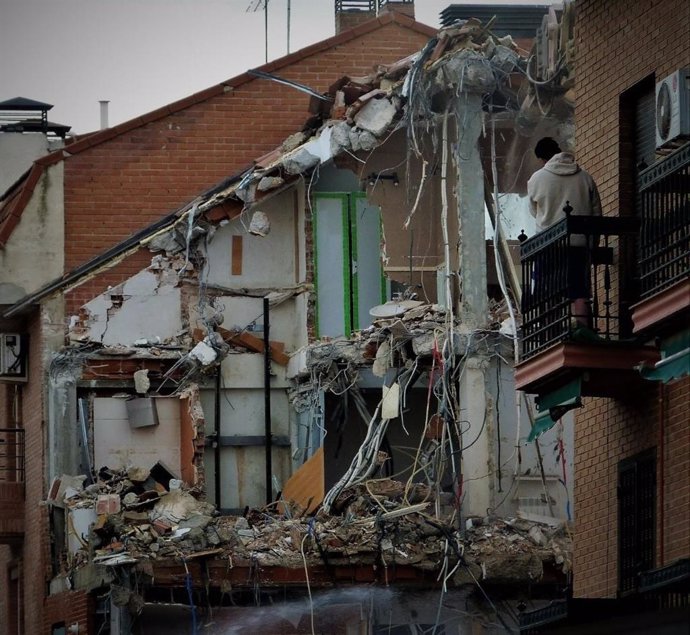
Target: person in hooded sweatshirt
point(559, 183)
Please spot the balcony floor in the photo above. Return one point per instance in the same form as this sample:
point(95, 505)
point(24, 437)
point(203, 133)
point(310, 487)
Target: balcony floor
point(607, 370)
point(667, 305)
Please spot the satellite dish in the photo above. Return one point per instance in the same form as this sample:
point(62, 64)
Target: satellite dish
point(387, 310)
point(393, 308)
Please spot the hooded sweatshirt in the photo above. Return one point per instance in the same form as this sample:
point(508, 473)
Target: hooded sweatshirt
point(559, 182)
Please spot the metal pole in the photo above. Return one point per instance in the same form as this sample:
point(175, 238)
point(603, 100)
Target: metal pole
point(216, 440)
point(288, 26)
point(267, 410)
point(266, 27)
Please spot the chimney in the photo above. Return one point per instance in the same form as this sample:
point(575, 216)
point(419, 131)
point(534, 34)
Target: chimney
point(351, 13)
point(401, 6)
point(104, 113)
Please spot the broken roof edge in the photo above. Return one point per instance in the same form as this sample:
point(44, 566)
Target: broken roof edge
point(92, 139)
point(117, 251)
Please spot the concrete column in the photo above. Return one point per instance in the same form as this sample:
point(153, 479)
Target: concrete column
point(472, 307)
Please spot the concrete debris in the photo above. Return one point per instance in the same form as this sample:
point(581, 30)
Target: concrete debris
point(362, 140)
point(204, 353)
point(259, 225)
point(142, 383)
point(375, 519)
point(300, 161)
point(375, 116)
point(270, 183)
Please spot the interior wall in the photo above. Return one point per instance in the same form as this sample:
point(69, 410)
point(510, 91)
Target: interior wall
point(118, 445)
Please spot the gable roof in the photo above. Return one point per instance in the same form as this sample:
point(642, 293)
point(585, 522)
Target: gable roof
point(11, 207)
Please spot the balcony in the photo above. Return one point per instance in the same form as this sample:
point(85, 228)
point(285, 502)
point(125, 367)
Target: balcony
point(11, 485)
point(554, 353)
point(664, 244)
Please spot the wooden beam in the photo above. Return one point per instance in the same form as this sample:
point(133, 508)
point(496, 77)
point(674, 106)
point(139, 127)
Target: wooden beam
point(253, 343)
point(236, 265)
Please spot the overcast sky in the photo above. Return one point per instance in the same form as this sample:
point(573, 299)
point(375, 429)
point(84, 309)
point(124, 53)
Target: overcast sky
point(142, 54)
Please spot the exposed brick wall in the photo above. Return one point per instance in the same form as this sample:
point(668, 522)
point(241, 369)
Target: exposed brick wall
point(649, 37)
point(72, 607)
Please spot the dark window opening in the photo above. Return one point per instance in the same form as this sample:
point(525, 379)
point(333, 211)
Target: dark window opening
point(636, 518)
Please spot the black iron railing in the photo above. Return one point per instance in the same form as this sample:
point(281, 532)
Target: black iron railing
point(664, 209)
point(549, 261)
point(364, 5)
point(12, 455)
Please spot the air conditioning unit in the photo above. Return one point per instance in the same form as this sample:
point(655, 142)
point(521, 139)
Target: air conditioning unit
point(673, 107)
point(14, 349)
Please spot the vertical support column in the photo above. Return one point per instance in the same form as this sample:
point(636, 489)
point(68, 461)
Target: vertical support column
point(472, 307)
point(267, 398)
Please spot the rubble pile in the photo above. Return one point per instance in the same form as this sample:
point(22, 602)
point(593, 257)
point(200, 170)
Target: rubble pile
point(135, 518)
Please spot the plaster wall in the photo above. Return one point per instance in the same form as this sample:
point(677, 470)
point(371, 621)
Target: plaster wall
point(246, 370)
point(34, 253)
point(266, 261)
point(117, 445)
point(287, 320)
point(243, 467)
point(517, 480)
point(150, 309)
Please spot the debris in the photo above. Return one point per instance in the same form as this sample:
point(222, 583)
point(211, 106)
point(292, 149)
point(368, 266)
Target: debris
point(141, 381)
point(375, 116)
point(259, 225)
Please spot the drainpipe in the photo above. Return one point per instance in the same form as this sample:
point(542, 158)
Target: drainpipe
point(267, 408)
point(662, 465)
point(216, 440)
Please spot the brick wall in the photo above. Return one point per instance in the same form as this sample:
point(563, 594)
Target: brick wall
point(73, 607)
point(124, 184)
point(619, 44)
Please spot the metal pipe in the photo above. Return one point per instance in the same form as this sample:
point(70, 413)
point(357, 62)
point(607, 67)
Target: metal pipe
point(267, 409)
point(104, 113)
point(216, 439)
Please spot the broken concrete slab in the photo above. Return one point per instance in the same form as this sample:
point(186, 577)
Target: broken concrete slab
point(376, 116)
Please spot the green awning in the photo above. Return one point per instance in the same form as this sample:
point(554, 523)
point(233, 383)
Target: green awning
point(675, 360)
point(552, 406)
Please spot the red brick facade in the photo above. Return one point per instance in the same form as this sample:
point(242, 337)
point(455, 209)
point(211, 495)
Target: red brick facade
point(620, 44)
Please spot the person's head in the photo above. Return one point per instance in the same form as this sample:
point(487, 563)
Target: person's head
point(546, 148)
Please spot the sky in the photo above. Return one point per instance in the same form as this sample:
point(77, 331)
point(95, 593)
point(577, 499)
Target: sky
point(142, 54)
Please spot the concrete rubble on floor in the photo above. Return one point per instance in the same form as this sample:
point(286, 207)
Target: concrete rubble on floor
point(380, 522)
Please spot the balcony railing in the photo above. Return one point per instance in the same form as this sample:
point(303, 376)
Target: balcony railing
point(547, 317)
point(664, 208)
point(11, 455)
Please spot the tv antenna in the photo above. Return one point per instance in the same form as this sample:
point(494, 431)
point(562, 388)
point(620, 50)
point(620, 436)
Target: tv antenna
point(254, 6)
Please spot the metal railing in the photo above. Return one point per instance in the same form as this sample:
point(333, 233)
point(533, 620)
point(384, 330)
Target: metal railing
point(664, 209)
point(12, 455)
point(549, 264)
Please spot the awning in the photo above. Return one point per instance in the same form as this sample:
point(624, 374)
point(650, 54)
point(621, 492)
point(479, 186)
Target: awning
point(675, 360)
point(552, 406)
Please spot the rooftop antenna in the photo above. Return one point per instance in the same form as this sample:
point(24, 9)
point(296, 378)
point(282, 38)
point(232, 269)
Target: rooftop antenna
point(254, 6)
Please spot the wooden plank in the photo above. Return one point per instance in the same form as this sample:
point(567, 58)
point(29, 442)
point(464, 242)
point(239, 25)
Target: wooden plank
point(253, 343)
point(306, 486)
point(236, 266)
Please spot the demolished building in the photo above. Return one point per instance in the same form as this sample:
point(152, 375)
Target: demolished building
point(319, 352)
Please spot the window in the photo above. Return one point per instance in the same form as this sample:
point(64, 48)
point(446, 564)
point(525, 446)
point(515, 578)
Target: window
point(636, 518)
point(349, 275)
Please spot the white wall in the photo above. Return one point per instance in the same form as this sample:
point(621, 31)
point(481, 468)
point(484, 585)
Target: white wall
point(34, 253)
point(117, 445)
point(267, 261)
point(150, 310)
point(18, 150)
